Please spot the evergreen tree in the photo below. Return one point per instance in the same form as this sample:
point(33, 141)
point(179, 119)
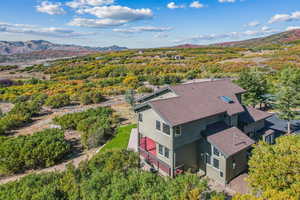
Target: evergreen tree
point(288, 95)
point(256, 86)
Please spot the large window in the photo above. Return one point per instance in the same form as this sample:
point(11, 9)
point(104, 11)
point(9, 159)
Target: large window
point(177, 131)
point(158, 125)
point(166, 129)
point(216, 163)
point(141, 117)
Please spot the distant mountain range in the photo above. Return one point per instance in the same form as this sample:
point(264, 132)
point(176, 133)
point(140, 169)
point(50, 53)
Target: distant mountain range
point(18, 47)
point(279, 38)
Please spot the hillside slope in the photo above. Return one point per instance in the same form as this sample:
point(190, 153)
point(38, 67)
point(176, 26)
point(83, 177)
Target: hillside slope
point(279, 38)
point(18, 47)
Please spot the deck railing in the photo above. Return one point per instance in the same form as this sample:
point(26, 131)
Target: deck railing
point(152, 159)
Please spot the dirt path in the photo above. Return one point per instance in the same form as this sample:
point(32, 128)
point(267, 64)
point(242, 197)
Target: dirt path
point(61, 167)
point(45, 121)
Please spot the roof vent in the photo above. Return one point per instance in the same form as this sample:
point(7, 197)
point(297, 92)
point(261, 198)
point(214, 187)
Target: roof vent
point(226, 99)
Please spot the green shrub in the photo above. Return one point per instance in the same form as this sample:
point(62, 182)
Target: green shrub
point(97, 125)
point(58, 101)
point(90, 98)
point(19, 115)
point(42, 149)
point(144, 89)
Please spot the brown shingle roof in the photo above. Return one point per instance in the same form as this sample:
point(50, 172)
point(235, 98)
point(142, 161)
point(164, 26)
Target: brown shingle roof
point(230, 141)
point(198, 100)
point(253, 115)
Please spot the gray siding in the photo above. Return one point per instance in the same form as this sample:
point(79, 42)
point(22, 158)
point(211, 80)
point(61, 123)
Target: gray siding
point(187, 155)
point(191, 132)
point(241, 165)
point(254, 126)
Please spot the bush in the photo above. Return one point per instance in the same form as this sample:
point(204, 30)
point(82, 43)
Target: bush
point(97, 125)
point(58, 101)
point(19, 115)
point(144, 89)
point(108, 175)
point(90, 98)
point(42, 149)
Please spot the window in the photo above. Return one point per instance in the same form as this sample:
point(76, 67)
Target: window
point(221, 174)
point(161, 149)
point(158, 125)
point(177, 131)
point(269, 139)
point(140, 117)
point(208, 159)
point(166, 129)
point(216, 163)
point(166, 152)
point(216, 151)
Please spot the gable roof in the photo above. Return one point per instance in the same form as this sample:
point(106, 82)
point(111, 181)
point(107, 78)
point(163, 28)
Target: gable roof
point(198, 100)
point(230, 141)
point(253, 115)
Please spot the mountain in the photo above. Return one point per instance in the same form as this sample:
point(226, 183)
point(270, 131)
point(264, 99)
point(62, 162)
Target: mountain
point(275, 39)
point(11, 48)
point(279, 38)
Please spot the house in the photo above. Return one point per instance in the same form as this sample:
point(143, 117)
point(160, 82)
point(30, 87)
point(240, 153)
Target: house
point(202, 127)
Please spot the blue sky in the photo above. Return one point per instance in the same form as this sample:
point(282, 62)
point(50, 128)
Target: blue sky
point(145, 23)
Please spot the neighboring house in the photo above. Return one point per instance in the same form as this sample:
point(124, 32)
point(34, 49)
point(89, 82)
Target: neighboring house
point(202, 127)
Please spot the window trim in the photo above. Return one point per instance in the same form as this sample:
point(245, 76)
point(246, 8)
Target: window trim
point(161, 147)
point(168, 150)
point(156, 123)
point(164, 124)
point(213, 163)
point(175, 133)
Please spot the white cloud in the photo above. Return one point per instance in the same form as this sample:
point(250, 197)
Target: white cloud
point(82, 3)
point(96, 23)
point(290, 28)
point(50, 8)
point(285, 17)
point(143, 29)
point(253, 24)
point(265, 28)
point(173, 5)
point(118, 13)
point(35, 30)
point(161, 35)
point(231, 35)
point(196, 4)
point(226, 1)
